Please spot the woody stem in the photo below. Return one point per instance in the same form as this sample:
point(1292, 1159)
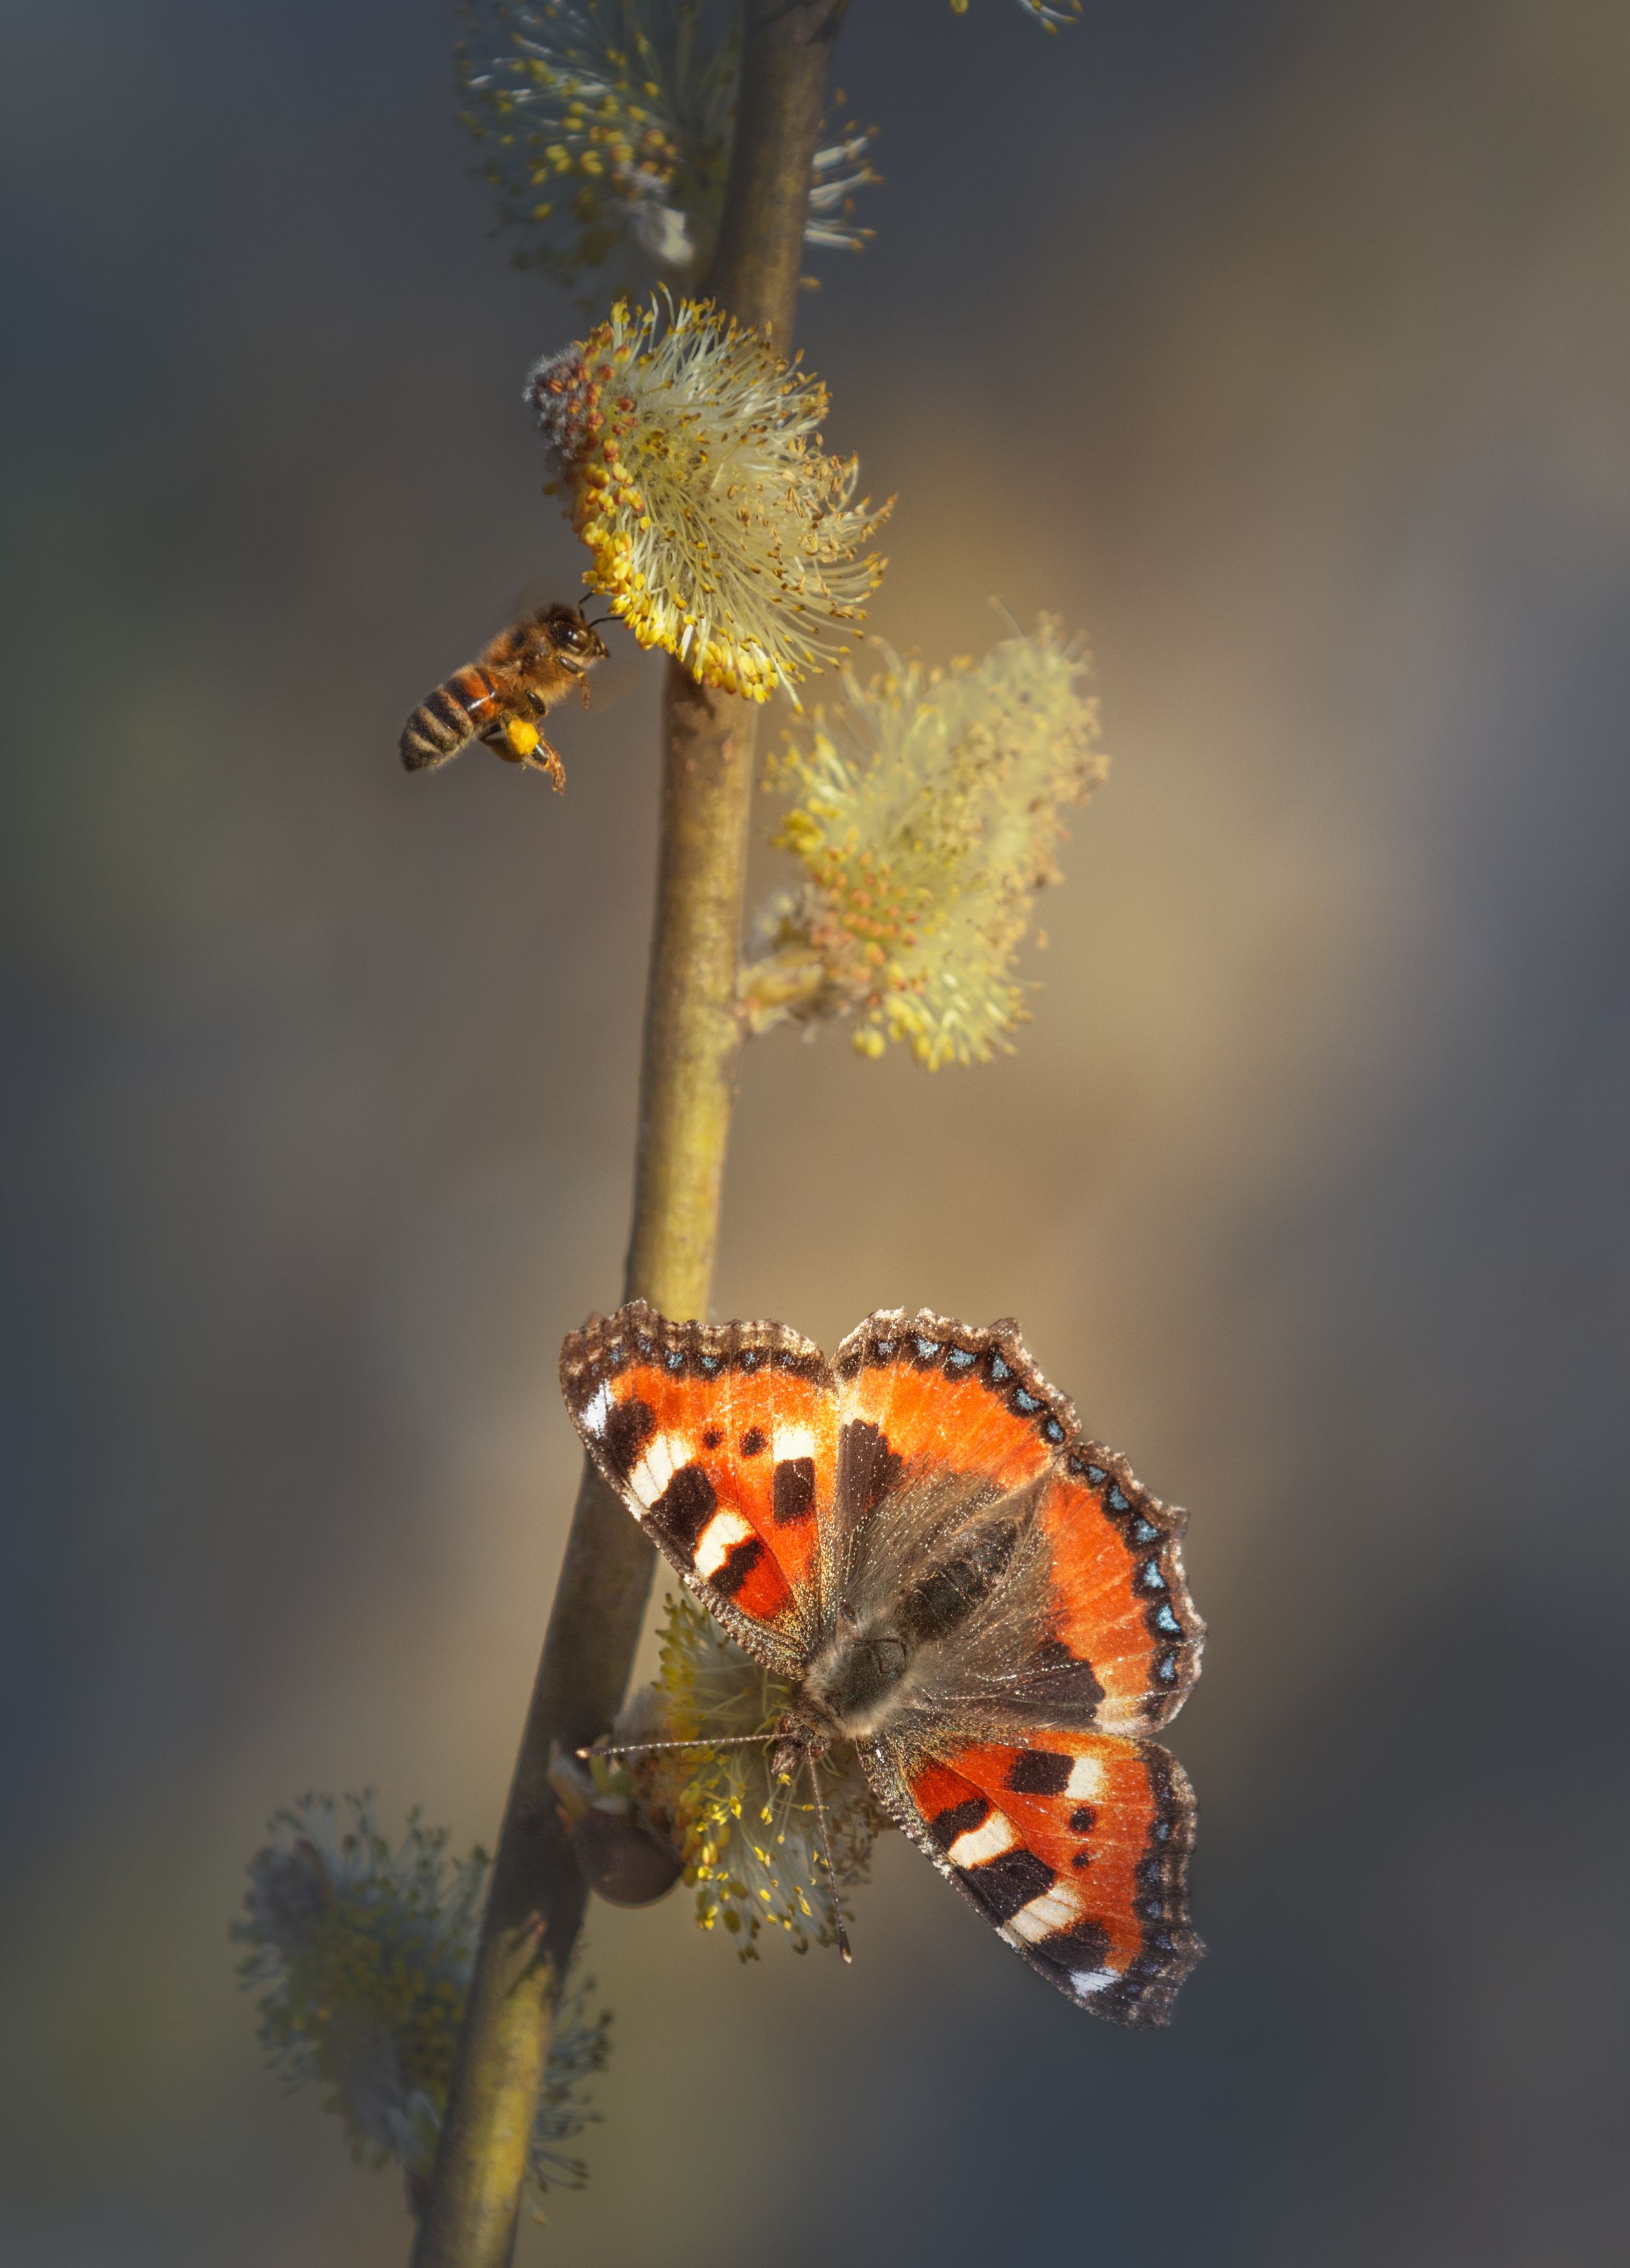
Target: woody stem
point(535, 1905)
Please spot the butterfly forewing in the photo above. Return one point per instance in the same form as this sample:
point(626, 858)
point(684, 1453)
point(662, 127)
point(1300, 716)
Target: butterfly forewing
point(1118, 1596)
point(932, 1389)
point(923, 1400)
point(721, 1439)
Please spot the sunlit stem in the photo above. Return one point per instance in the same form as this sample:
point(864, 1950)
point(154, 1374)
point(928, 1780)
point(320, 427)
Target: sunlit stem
point(692, 1033)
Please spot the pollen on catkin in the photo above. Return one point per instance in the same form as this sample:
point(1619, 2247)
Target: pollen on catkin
point(607, 127)
point(717, 525)
point(928, 811)
point(362, 1954)
point(749, 1844)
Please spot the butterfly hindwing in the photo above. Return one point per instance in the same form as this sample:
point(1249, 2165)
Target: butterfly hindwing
point(924, 1401)
point(1073, 1847)
point(722, 1441)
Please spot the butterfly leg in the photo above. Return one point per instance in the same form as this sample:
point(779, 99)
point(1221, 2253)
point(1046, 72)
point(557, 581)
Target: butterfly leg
point(832, 1872)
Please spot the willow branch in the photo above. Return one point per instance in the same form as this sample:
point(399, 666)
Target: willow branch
point(692, 1039)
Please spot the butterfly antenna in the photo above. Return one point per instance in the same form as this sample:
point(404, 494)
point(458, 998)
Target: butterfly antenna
point(650, 1747)
point(832, 1872)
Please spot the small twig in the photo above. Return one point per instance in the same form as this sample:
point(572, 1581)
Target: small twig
point(692, 1038)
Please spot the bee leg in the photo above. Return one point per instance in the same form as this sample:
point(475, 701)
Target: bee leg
point(543, 758)
point(513, 738)
point(583, 686)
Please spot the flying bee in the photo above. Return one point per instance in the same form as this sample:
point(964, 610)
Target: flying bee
point(500, 698)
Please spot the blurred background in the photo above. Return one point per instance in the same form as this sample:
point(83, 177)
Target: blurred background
point(1281, 348)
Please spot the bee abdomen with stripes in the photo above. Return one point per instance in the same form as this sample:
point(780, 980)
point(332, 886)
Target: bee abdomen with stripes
point(447, 718)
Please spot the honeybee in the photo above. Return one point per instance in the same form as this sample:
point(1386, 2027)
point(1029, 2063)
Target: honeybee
point(500, 698)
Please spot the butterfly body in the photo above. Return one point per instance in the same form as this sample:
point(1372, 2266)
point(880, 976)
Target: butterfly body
point(917, 1539)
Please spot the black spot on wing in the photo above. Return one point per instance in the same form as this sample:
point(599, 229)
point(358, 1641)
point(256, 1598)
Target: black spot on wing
point(1039, 1771)
point(868, 1468)
point(740, 1562)
point(1003, 1885)
point(753, 1441)
point(683, 1509)
point(947, 1596)
point(947, 1825)
point(1056, 1684)
point(1083, 1945)
point(628, 1425)
point(792, 1491)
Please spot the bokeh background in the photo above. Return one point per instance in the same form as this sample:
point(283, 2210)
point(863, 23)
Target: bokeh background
point(1282, 347)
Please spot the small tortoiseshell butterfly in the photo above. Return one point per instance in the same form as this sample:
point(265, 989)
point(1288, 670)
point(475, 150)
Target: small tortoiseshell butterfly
point(917, 1539)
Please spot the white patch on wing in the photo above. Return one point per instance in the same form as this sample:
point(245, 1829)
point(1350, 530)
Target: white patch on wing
point(793, 1441)
point(1055, 1909)
point(657, 1467)
point(980, 1844)
point(714, 1544)
point(597, 1409)
point(1085, 1783)
point(1086, 1981)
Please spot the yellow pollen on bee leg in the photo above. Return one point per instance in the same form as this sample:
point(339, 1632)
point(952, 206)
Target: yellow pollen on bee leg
point(521, 736)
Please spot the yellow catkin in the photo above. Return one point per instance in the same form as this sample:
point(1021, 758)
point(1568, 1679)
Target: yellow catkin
point(717, 528)
point(929, 808)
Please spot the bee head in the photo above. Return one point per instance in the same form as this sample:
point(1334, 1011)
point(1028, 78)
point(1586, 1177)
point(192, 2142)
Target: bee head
point(579, 641)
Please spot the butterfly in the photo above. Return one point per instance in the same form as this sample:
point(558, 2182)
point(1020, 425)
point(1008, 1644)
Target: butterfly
point(917, 1539)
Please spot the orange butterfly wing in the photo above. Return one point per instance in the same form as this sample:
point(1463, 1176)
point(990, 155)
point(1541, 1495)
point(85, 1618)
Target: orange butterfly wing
point(722, 1441)
point(1075, 1848)
point(931, 1396)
